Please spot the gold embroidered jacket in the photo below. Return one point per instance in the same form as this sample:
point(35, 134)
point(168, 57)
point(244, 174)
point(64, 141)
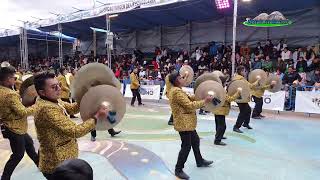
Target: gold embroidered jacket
point(251, 85)
point(13, 114)
point(65, 90)
point(225, 109)
point(135, 84)
point(184, 109)
point(259, 91)
point(57, 133)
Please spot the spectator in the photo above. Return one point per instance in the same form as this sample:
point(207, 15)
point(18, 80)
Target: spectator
point(155, 64)
point(142, 73)
point(178, 65)
point(301, 65)
point(256, 63)
point(310, 54)
point(279, 74)
point(274, 58)
point(185, 62)
point(315, 79)
point(118, 72)
point(213, 49)
point(198, 53)
point(267, 50)
point(258, 50)
point(267, 64)
point(297, 54)
point(245, 50)
point(290, 77)
point(315, 64)
point(281, 45)
point(286, 55)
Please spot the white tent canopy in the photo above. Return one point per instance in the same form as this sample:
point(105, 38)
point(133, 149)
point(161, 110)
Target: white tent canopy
point(14, 12)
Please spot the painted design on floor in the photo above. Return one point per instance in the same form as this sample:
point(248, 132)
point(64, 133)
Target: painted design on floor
point(131, 161)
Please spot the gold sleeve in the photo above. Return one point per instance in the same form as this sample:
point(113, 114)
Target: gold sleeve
point(233, 97)
point(72, 108)
point(183, 99)
point(65, 126)
point(65, 88)
point(17, 107)
point(268, 86)
point(63, 83)
point(192, 97)
point(252, 85)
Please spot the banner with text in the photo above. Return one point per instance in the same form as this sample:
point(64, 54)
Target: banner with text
point(307, 102)
point(271, 101)
point(146, 91)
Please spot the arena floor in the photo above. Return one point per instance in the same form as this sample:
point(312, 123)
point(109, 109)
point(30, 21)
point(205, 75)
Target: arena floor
point(282, 146)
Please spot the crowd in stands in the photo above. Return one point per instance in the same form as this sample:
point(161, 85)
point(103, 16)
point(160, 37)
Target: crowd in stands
point(300, 64)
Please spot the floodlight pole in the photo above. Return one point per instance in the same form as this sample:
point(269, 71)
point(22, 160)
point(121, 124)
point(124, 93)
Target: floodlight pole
point(234, 35)
point(21, 47)
point(24, 46)
point(25, 38)
point(108, 44)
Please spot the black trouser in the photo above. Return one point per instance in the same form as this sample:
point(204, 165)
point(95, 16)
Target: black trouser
point(48, 176)
point(244, 115)
point(94, 132)
point(258, 106)
point(188, 139)
point(19, 145)
point(220, 127)
point(135, 94)
point(171, 118)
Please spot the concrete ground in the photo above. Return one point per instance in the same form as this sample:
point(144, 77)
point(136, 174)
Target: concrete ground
point(282, 146)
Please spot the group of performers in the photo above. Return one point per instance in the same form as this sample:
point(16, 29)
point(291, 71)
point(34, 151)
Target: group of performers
point(57, 133)
point(184, 117)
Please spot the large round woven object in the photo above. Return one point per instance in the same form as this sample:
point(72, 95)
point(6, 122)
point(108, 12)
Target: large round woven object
point(222, 76)
point(27, 91)
point(253, 77)
point(103, 94)
point(211, 88)
point(92, 75)
point(245, 93)
point(186, 71)
point(205, 77)
point(277, 87)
